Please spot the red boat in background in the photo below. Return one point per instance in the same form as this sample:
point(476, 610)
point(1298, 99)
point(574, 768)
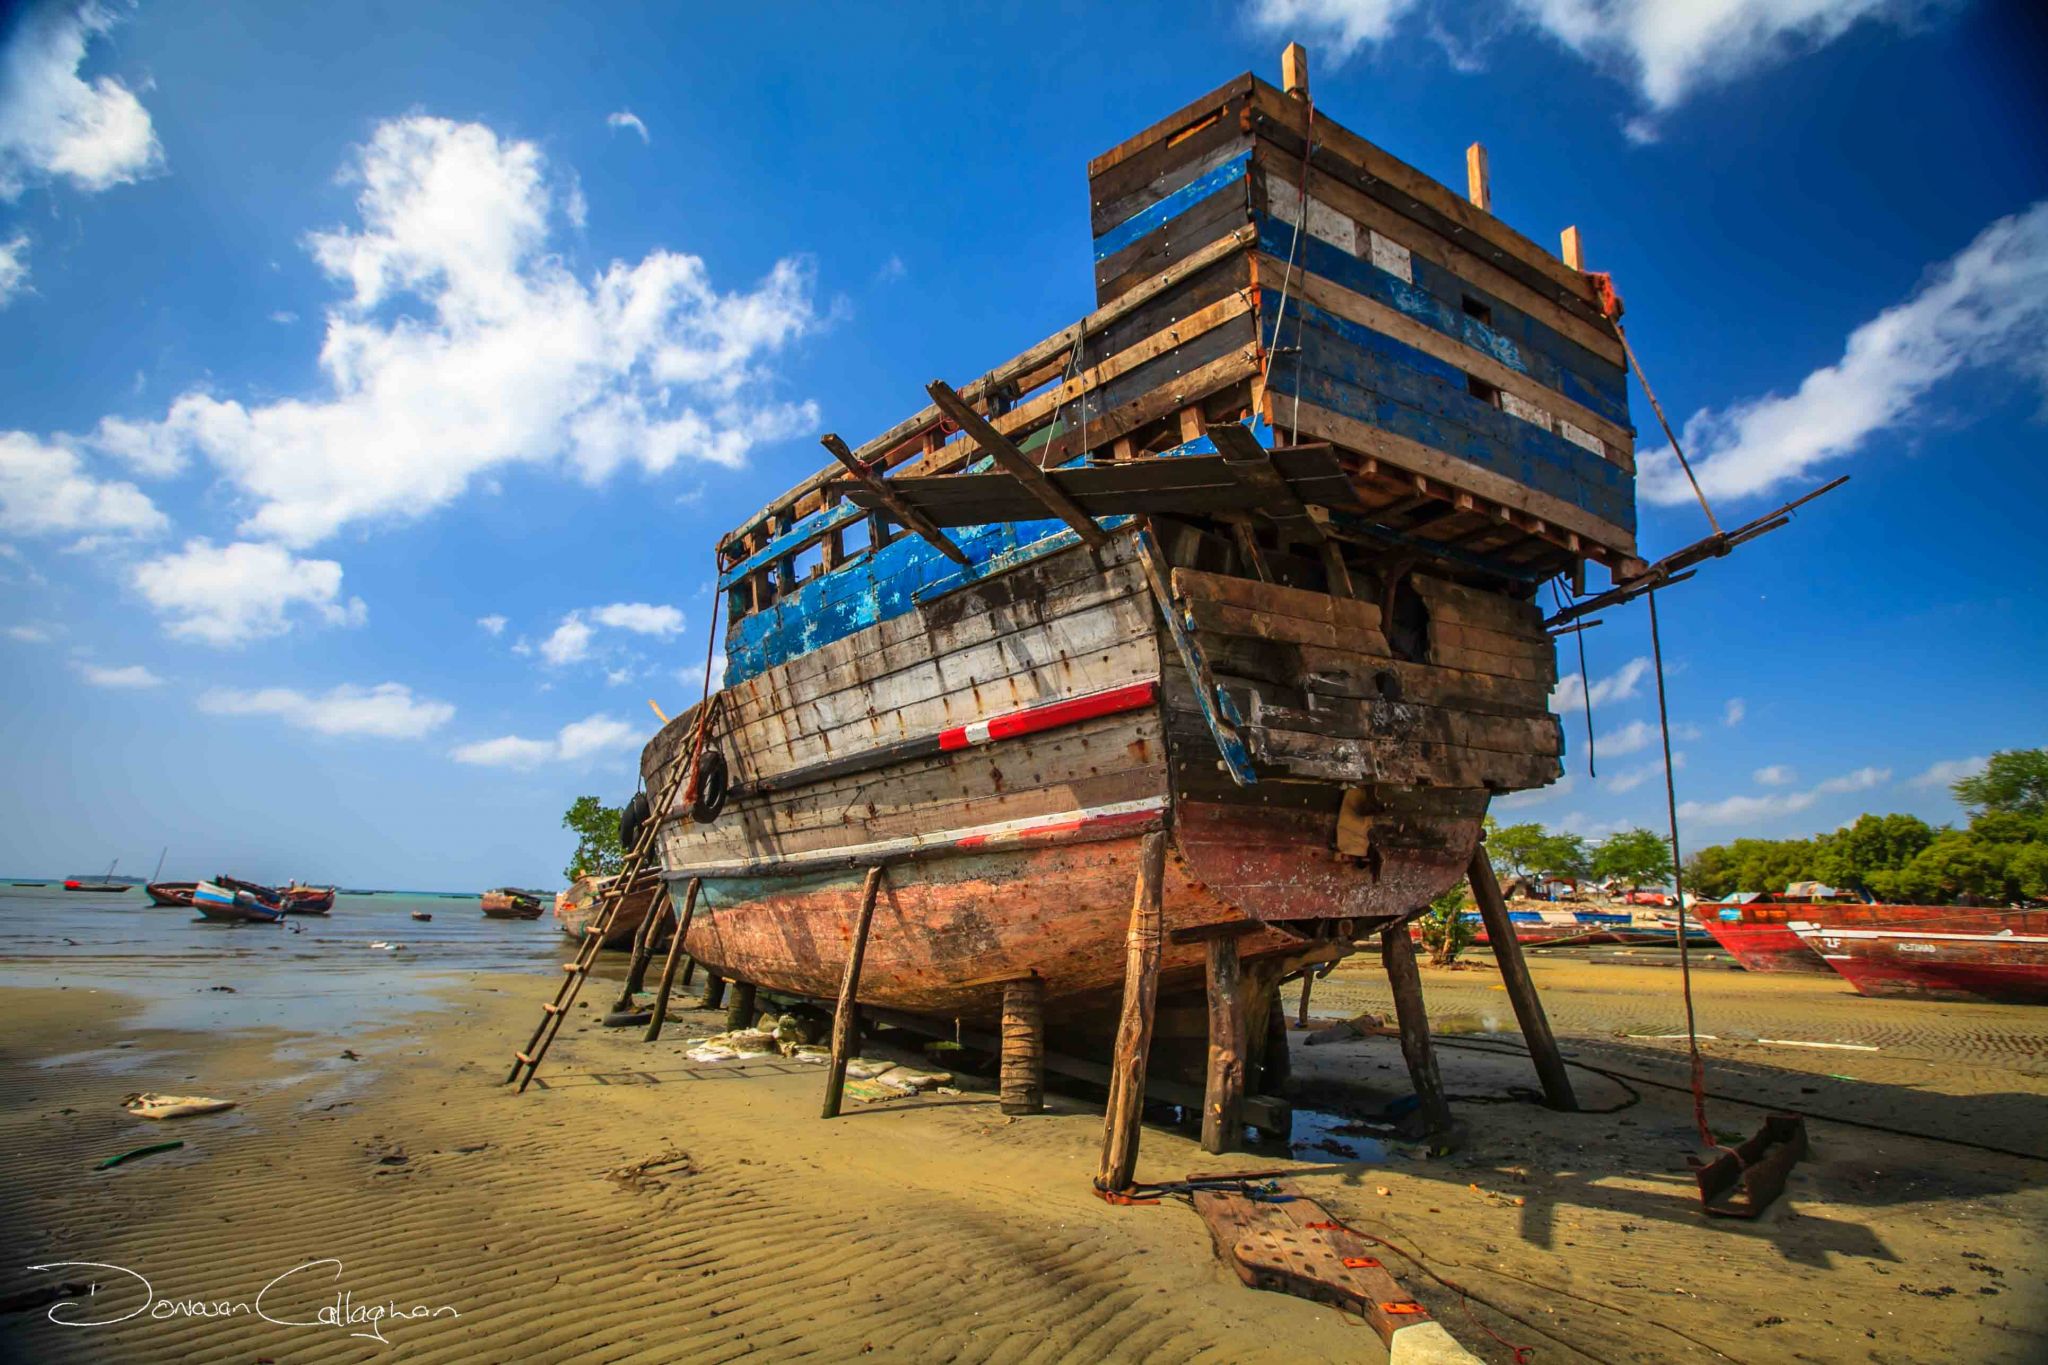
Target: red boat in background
point(1761, 941)
point(2000, 956)
point(293, 899)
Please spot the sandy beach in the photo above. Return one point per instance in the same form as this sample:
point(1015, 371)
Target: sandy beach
point(637, 1205)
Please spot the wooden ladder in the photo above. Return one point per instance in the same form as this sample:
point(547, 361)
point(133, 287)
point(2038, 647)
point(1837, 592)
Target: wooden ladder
point(632, 878)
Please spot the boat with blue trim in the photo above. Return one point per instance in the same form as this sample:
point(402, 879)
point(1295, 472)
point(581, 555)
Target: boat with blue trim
point(234, 905)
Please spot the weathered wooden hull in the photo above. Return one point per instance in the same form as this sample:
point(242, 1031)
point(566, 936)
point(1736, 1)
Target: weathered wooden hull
point(175, 894)
point(509, 904)
point(578, 908)
point(1933, 964)
point(1766, 947)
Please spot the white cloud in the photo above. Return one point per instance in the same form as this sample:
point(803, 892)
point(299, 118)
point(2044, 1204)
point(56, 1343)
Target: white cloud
point(1737, 810)
point(1340, 26)
point(29, 635)
point(284, 317)
point(617, 677)
point(1637, 735)
point(386, 711)
point(44, 490)
point(492, 625)
point(641, 618)
point(692, 675)
point(53, 124)
point(587, 738)
point(572, 640)
point(1623, 683)
point(144, 446)
point(232, 594)
point(569, 644)
point(1775, 775)
point(1986, 306)
point(13, 268)
point(626, 118)
point(891, 270)
point(463, 344)
point(132, 676)
point(1950, 770)
point(1631, 778)
point(1734, 711)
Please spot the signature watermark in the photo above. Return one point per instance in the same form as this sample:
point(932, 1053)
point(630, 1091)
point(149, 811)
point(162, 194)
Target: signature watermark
point(289, 1303)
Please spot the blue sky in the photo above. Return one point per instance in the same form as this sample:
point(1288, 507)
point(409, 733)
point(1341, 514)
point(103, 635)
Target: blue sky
point(378, 378)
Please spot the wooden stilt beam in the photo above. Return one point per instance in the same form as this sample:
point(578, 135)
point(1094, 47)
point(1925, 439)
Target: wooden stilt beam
point(1142, 948)
point(1406, 978)
point(740, 1013)
point(643, 949)
point(1016, 463)
point(675, 955)
point(1308, 981)
point(846, 1019)
point(714, 991)
point(1023, 1060)
point(1223, 1098)
point(1514, 974)
point(899, 509)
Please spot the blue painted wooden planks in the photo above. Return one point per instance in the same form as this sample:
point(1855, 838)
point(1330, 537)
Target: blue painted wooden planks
point(1171, 206)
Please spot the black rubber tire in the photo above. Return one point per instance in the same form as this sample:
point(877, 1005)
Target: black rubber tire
point(627, 1018)
point(713, 784)
point(631, 818)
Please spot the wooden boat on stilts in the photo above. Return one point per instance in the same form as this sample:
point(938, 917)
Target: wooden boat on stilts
point(1248, 555)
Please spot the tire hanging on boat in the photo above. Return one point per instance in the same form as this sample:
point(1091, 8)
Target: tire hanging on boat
point(712, 787)
point(631, 819)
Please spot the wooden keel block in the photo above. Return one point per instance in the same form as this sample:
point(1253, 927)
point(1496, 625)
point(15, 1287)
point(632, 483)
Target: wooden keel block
point(1223, 1094)
point(740, 1013)
point(1023, 1047)
point(1142, 949)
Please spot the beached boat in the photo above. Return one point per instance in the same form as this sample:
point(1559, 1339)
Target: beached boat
point(234, 904)
point(1983, 956)
point(1248, 555)
point(171, 893)
point(509, 902)
point(308, 900)
point(1758, 935)
point(577, 908)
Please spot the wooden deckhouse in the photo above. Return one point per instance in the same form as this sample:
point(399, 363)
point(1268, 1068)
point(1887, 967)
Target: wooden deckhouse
point(1246, 556)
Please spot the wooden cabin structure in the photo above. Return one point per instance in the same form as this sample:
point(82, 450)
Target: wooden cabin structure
point(1245, 557)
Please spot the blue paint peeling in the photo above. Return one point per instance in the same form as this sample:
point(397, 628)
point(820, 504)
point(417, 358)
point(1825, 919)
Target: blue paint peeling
point(1160, 212)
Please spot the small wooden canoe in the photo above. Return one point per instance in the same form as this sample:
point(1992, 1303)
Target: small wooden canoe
point(2004, 958)
point(172, 893)
point(234, 905)
point(509, 902)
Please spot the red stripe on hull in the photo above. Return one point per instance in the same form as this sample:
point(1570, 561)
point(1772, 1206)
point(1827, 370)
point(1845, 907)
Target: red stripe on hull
point(1766, 947)
point(1971, 969)
point(1050, 716)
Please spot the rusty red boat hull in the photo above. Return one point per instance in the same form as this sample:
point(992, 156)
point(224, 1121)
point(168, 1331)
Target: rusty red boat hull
point(2009, 965)
point(1766, 947)
point(578, 907)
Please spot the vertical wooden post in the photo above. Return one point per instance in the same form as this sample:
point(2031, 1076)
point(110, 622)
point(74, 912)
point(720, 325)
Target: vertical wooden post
point(1571, 249)
point(668, 967)
point(1398, 953)
point(1223, 1095)
point(1514, 974)
point(1478, 184)
point(1134, 1029)
point(1294, 70)
point(740, 1013)
point(1023, 1062)
point(1308, 981)
point(846, 1020)
point(714, 991)
point(643, 950)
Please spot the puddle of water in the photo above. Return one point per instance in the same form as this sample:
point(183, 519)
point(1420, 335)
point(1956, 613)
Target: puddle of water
point(1317, 1133)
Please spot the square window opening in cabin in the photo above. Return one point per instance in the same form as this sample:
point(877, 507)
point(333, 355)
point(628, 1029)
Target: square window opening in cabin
point(1475, 309)
point(1483, 391)
point(808, 562)
point(855, 537)
point(887, 531)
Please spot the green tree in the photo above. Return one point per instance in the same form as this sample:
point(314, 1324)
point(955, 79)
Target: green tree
point(1445, 930)
point(596, 827)
point(1561, 855)
point(2014, 782)
point(1873, 844)
point(1514, 848)
point(1956, 866)
point(1634, 857)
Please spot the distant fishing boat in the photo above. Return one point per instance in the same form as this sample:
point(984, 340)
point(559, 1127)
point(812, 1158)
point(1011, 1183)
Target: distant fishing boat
point(234, 904)
point(577, 907)
point(105, 882)
point(171, 893)
point(1558, 928)
point(510, 902)
point(308, 900)
point(2000, 957)
point(421, 916)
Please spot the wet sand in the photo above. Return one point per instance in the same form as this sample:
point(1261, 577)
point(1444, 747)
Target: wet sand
point(640, 1206)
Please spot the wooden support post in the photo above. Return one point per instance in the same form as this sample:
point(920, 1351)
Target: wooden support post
point(643, 950)
point(668, 967)
point(1023, 1061)
point(1223, 1098)
point(740, 1013)
point(1276, 1068)
point(899, 509)
point(1016, 463)
point(1572, 249)
point(714, 990)
point(1294, 70)
point(1399, 956)
point(846, 1019)
point(1134, 1030)
point(1308, 981)
point(1514, 974)
point(1478, 184)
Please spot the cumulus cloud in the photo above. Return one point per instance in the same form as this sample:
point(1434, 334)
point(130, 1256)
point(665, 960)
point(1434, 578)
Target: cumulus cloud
point(44, 490)
point(626, 118)
point(1738, 810)
point(588, 738)
point(1734, 711)
point(53, 124)
point(1664, 49)
point(1985, 307)
point(13, 268)
point(231, 594)
point(492, 625)
point(462, 344)
point(132, 676)
point(572, 640)
point(386, 711)
point(1774, 775)
point(1623, 683)
point(570, 643)
point(29, 634)
point(1949, 770)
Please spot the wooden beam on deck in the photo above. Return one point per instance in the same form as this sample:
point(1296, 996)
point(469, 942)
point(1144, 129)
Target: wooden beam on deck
point(1294, 70)
point(1478, 184)
point(1572, 249)
point(902, 511)
point(1013, 461)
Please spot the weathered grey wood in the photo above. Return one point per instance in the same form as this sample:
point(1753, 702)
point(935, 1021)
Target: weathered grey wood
point(668, 966)
point(899, 509)
point(739, 1013)
point(1514, 974)
point(1223, 1097)
point(1126, 1107)
point(1022, 1087)
point(846, 1018)
point(1398, 954)
point(998, 447)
